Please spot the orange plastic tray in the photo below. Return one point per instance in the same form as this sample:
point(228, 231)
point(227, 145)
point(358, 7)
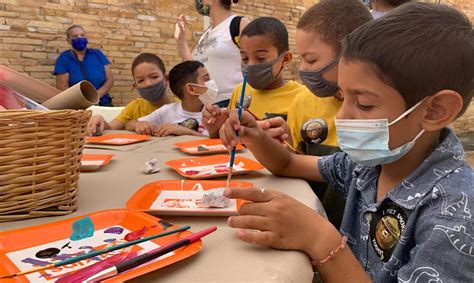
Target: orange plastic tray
point(92, 162)
point(144, 199)
point(25, 240)
point(187, 167)
point(118, 139)
point(214, 145)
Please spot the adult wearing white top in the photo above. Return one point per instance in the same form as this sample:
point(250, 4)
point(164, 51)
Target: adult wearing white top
point(216, 49)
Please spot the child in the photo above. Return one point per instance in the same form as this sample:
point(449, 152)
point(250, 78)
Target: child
point(264, 49)
point(404, 78)
point(148, 72)
point(191, 83)
point(311, 128)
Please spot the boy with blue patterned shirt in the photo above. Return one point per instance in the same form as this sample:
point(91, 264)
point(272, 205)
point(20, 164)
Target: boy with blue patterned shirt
point(408, 216)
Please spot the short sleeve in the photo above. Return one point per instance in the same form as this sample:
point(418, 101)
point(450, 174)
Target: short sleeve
point(102, 58)
point(127, 114)
point(61, 66)
point(443, 252)
point(154, 117)
point(233, 98)
point(337, 170)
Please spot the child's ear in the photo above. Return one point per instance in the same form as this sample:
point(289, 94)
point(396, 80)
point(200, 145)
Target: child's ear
point(441, 109)
point(287, 58)
point(188, 88)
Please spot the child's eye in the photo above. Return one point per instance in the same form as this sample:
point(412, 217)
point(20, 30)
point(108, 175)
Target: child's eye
point(365, 107)
point(139, 81)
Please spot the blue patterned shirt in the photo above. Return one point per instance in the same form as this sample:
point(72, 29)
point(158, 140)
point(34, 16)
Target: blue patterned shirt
point(423, 229)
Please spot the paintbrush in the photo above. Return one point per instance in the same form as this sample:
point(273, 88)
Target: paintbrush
point(95, 253)
point(146, 257)
point(241, 106)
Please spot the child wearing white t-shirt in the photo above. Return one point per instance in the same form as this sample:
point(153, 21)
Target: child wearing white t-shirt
point(190, 81)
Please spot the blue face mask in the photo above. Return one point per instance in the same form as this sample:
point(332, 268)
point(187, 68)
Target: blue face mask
point(79, 43)
point(366, 141)
point(317, 84)
point(153, 93)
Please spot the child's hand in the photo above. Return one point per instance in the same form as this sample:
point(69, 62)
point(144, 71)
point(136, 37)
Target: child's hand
point(145, 128)
point(213, 118)
point(172, 129)
point(276, 220)
point(276, 128)
point(247, 128)
point(95, 122)
point(180, 28)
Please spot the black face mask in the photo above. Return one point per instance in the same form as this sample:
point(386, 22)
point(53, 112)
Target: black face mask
point(318, 85)
point(153, 93)
point(204, 10)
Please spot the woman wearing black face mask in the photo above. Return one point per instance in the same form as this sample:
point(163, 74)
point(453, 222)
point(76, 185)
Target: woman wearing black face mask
point(82, 63)
point(218, 46)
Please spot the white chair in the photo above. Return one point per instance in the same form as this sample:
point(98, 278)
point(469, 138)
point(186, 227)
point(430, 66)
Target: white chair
point(109, 113)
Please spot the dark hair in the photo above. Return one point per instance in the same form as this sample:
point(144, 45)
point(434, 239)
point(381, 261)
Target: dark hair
point(73, 27)
point(334, 20)
point(148, 58)
point(270, 27)
point(419, 49)
point(181, 74)
point(227, 3)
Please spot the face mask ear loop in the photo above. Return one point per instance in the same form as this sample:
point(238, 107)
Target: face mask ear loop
point(276, 60)
point(407, 112)
point(419, 135)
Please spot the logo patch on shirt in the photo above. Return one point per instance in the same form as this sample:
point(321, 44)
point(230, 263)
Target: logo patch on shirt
point(190, 123)
point(314, 131)
point(386, 228)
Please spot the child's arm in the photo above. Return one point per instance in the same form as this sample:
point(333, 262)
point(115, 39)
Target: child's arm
point(276, 220)
point(267, 150)
point(176, 130)
point(141, 127)
point(97, 121)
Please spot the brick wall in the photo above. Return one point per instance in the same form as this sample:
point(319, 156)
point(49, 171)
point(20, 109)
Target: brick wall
point(32, 33)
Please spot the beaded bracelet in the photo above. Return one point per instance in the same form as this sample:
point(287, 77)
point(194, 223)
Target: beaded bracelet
point(332, 254)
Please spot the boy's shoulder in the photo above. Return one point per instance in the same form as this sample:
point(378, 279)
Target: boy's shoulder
point(444, 174)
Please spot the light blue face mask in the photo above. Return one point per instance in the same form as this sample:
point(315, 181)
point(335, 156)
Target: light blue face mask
point(366, 140)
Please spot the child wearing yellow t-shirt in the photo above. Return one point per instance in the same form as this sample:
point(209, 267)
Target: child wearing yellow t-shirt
point(149, 74)
point(264, 49)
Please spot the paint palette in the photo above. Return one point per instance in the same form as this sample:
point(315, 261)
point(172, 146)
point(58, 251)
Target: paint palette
point(203, 147)
point(182, 198)
point(30, 247)
point(118, 139)
point(92, 162)
point(212, 166)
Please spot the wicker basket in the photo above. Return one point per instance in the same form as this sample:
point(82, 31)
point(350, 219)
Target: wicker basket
point(40, 158)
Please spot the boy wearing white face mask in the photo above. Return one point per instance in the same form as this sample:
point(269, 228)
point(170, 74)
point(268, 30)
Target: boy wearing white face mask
point(408, 216)
point(190, 82)
point(264, 49)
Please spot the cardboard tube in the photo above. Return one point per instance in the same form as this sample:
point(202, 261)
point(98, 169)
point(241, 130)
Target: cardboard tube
point(79, 96)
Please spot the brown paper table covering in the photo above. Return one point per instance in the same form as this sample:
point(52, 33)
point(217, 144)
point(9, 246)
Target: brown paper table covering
point(223, 258)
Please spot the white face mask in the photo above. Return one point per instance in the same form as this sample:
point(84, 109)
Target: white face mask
point(366, 140)
point(209, 97)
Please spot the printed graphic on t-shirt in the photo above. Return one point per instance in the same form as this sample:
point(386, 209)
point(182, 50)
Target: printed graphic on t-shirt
point(314, 131)
point(206, 43)
point(386, 228)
